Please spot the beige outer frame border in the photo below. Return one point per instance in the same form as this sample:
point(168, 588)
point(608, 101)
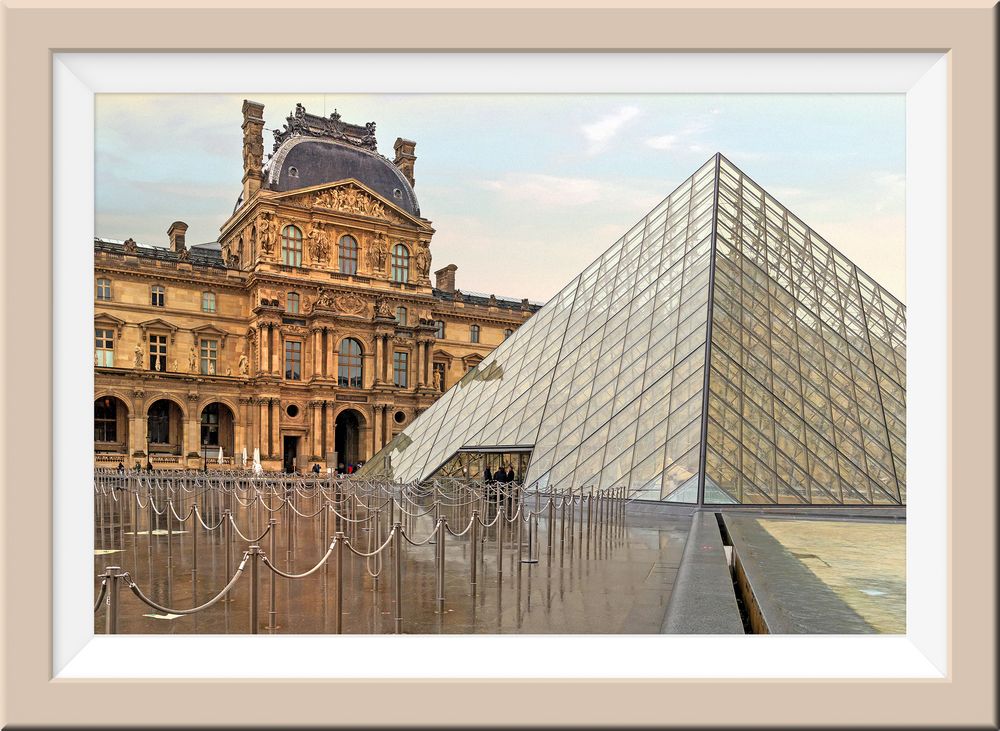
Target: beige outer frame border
point(31, 698)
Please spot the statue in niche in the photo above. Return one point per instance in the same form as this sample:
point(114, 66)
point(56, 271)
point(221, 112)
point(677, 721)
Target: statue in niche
point(138, 356)
point(423, 260)
point(382, 307)
point(378, 253)
point(173, 365)
point(317, 243)
point(192, 360)
point(439, 380)
point(244, 364)
point(269, 233)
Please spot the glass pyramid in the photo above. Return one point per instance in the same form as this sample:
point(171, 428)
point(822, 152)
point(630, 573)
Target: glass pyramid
point(802, 401)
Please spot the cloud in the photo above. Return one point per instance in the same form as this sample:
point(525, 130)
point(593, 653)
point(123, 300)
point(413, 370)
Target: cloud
point(548, 190)
point(598, 134)
point(663, 142)
point(552, 191)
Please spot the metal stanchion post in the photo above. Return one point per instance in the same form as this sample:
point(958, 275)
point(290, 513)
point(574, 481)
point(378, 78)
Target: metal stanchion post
point(397, 541)
point(170, 533)
point(227, 529)
point(551, 523)
point(339, 625)
point(499, 537)
point(194, 539)
point(473, 545)
point(272, 613)
point(441, 529)
point(111, 620)
point(288, 526)
point(254, 552)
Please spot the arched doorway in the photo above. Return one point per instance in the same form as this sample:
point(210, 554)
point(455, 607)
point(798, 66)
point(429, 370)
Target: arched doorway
point(217, 430)
point(110, 425)
point(347, 438)
point(164, 427)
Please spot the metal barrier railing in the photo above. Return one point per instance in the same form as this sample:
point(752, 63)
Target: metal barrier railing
point(360, 508)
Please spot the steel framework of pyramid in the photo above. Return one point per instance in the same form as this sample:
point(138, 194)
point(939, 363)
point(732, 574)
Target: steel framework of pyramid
point(803, 401)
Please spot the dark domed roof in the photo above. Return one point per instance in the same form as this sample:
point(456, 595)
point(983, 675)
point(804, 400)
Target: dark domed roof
point(301, 162)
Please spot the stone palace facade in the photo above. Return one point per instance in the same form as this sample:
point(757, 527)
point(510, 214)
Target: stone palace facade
point(310, 330)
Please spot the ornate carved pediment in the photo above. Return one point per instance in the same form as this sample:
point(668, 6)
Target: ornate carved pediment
point(344, 303)
point(349, 198)
point(158, 324)
point(210, 331)
point(103, 318)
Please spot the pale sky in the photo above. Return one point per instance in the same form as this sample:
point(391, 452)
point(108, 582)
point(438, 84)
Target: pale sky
point(526, 190)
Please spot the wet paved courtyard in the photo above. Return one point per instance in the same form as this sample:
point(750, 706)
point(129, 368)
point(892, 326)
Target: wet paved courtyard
point(616, 581)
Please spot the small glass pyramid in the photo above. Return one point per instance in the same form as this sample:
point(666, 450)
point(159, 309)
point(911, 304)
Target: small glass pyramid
point(803, 400)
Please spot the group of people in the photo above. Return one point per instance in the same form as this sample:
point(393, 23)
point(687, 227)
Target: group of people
point(137, 468)
point(503, 475)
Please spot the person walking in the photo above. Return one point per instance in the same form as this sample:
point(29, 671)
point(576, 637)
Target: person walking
point(316, 468)
point(121, 466)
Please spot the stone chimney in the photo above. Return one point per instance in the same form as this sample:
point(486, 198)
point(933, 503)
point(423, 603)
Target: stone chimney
point(253, 147)
point(445, 278)
point(405, 157)
point(176, 232)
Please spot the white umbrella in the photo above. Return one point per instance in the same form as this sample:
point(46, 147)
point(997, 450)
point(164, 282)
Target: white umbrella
point(220, 460)
point(257, 468)
point(244, 457)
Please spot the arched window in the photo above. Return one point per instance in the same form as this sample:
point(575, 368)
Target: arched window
point(208, 301)
point(348, 255)
point(292, 303)
point(474, 334)
point(291, 246)
point(400, 263)
point(350, 372)
point(401, 316)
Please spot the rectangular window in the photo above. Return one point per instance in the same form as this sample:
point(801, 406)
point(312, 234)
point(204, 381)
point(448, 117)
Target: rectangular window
point(293, 360)
point(158, 352)
point(208, 301)
point(157, 296)
point(104, 289)
point(399, 369)
point(474, 334)
point(209, 357)
point(401, 316)
point(104, 347)
point(439, 331)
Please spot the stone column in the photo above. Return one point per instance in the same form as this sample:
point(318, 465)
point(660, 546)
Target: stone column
point(377, 442)
point(323, 428)
point(317, 345)
point(428, 364)
point(386, 424)
point(275, 427)
point(334, 371)
point(324, 349)
point(387, 359)
point(317, 428)
point(275, 350)
point(420, 365)
point(264, 350)
point(368, 362)
point(378, 358)
point(191, 439)
point(242, 432)
point(329, 439)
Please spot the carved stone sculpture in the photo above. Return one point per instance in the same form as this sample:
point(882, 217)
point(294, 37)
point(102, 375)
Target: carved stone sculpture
point(423, 260)
point(192, 360)
point(130, 246)
point(382, 307)
point(318, 247)
point(244, 364)
point(138, 356)
point(269, 233)
point(378, 254)
point(439, 380)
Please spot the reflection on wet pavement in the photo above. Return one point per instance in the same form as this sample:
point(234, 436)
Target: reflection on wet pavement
point(601, 581)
